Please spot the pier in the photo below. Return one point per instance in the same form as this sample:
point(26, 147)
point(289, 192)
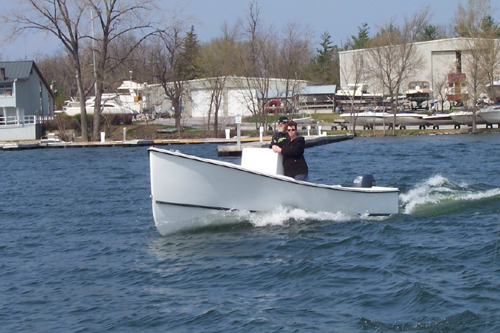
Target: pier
point(311, 141)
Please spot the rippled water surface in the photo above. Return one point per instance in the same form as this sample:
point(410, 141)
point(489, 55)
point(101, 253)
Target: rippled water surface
point(79, 250)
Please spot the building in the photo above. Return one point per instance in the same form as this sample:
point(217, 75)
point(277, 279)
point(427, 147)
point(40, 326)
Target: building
point(236, 96)
point(446, 65)
point(25, 100)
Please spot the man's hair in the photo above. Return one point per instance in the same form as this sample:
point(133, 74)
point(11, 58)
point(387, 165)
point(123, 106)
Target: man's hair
point(291, 123)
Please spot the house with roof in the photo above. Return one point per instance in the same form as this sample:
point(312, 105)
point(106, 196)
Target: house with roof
point(26, 99)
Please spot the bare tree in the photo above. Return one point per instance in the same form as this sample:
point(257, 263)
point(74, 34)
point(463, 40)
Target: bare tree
point(393, 57)
point(116, 20)
point(65, 20)
point(258, 61)
point(70, 22)
point(479, 48)
point(175, 64)
point(295, 52)
point(355, 74)
point(439, 86)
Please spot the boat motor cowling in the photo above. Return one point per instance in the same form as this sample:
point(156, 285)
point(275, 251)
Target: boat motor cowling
point(364, 181)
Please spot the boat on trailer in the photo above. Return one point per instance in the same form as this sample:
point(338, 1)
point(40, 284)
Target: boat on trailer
point(490, 114)
point(190, 192)
point(369, 119)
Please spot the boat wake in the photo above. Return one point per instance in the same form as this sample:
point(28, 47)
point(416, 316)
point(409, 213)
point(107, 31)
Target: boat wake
point(282, 216)
point(439, 195)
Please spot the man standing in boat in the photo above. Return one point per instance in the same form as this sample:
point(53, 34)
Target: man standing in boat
point(281, 135)
point(294, 163)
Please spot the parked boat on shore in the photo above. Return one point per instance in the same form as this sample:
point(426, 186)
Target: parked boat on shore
point(464, 117)
point(490, 114)
point(441, 119)
point(418, 92)
point(369, 119)
point(189, 192)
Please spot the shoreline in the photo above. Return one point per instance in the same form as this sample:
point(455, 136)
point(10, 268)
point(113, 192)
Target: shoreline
point(134, 142)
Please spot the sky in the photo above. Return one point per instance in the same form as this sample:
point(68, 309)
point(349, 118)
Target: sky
point(340, 19)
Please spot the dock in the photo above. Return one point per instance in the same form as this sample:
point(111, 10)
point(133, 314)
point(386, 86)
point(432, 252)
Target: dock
point(226, 147)
point(311, 141)
point(38, 144)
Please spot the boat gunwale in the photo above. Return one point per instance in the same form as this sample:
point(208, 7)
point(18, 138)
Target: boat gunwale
point(367, 190)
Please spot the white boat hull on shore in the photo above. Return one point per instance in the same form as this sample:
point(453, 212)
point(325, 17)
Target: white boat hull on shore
point(466, 118)
point(368, 118)
point(443, 119)
point(190, 192)
point(490, 114)
point(372, 119)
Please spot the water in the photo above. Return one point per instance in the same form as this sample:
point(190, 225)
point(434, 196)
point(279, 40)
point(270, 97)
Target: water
point(79, 250)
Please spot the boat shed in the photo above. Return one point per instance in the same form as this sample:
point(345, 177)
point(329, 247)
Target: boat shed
point(25, 100)
point(442, 59)
point(319, 98)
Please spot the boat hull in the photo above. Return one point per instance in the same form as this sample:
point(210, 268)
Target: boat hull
point(490, 114)
point(403, 119)
point(466, 118)
point(189, 192)
point(440, 120)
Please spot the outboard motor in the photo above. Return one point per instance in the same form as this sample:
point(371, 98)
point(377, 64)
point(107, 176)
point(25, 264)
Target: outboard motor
point(364, 181)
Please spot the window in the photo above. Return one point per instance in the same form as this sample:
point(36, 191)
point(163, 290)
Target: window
point(6, 90)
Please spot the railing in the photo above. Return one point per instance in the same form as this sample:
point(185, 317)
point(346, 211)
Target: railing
point(14, 120)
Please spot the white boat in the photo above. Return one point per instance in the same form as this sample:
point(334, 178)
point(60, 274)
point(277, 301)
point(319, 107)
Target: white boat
point(410, 118)
point(357, 92)
point(465, 118)
point(128, 100)
point(110, 104)
point(71, 107)
point(188, 192)
point(369, 119)
point(419, 92)
point(490, 114)
point(441, 119)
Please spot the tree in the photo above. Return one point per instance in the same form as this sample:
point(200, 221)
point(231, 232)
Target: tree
point(219, 60)
point(324, 68)
point(189, 61)
point(294, 54)
point(258, 62)
point(475, 20)
point(430, 32)
point(116, 20)
point(361, 40)
point(392, 57)
point(70, 22)
point(174, 66)
point(64, 20)
point(479, 48)
point(355, 74)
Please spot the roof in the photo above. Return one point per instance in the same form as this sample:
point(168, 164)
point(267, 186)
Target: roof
point(21, 70)
point(319, 90)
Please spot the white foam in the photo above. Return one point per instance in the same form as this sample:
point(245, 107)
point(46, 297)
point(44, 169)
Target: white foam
point(438, 189)
point(280, 216)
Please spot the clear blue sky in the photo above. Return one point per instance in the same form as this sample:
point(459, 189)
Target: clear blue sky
point(340, 18)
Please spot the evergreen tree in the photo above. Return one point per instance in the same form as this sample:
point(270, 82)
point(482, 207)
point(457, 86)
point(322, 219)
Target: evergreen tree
point(189, 64)
point(324, 68)
point(429, 32)
point(361, 40)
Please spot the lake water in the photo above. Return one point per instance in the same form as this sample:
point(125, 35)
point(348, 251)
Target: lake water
point(79, 251)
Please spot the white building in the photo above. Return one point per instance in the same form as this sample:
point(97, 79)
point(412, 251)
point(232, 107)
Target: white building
point(239, 95)
point(440, 58)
